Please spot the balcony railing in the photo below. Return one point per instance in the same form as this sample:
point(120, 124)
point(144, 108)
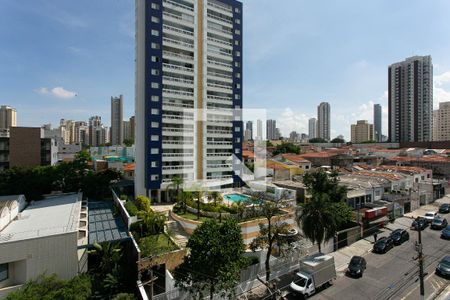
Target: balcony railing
point(226, 8)
point(218, 63)
point(220, 19)
point(179, 5)
point(179, 93)
point(176, 79)
point(220, 41)
point(187, 45)
point(175, 67)
point(187, 57)
point(177, 30)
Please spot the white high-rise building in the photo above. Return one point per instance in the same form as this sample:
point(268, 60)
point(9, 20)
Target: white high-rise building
point(312, 128)
point(271, 130)
point(442, 122)
point(8, 117)
point(259, 130)
point(188, 93)
point(323, 121)
point(410, 100)
point(117, 121)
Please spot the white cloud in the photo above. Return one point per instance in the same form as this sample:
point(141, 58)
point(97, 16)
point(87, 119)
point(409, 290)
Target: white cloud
point(58, 92)
point(290, 120)
point(442, 79)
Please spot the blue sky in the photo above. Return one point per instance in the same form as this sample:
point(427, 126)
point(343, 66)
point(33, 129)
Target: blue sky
point(296, 54)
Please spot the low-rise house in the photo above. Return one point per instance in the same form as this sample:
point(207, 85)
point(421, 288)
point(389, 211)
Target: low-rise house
point(47, 236)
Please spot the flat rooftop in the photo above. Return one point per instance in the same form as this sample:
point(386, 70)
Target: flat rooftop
point(50, 216)
point(104, 224)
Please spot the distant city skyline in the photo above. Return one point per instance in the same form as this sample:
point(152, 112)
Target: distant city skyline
point(61, 66)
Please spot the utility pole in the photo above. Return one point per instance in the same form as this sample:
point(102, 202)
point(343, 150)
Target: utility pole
point(421, 275)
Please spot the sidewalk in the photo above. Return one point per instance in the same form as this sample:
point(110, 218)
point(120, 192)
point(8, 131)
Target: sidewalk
point(429, 207)
point(342, 256)
point(445, 295)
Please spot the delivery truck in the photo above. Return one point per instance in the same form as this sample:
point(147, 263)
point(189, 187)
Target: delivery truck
point(316, 270)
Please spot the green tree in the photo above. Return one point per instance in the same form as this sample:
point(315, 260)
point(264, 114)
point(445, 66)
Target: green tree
point(143, 203)
point(199, 197)
point(152, 222)
point(176, 183)
point(214, 261)
point(317, 219)
point(48, 287)
point(317, 140)
point(269, 234)
point(128, 142)
point(286, 148)
point(338, 140)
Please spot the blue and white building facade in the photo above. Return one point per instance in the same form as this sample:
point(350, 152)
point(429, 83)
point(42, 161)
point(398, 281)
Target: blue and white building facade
point(188, 93)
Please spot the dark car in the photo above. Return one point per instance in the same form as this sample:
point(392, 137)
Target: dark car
point(356, 266)
point(444, 208)
point(439, 223)
point(383, 245)
point(399, 236)
point(446, 233)
point(443, 268)
point(419, 224)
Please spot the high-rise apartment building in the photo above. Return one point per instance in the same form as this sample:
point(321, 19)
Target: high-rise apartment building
point(271, 129)
point(249, 127)
point(117, 120)
point(362, 131)
point(126, 130)
point(410, 98)
point(188, 93)
point(132, 127)
point(8, 117)
point(442, 122)
point(98, 134)
point(323, 121)
point(377, 123)
point(312, 128)
point(81, 132)
point(259, 130)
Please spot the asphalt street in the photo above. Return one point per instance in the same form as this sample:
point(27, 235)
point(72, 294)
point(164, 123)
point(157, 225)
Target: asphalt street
point(393, 275)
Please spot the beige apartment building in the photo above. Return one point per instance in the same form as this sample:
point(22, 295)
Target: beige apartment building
point(441, 126)
point(361, 132)
point(8, 117)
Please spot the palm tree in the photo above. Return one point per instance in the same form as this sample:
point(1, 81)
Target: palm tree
point(176, 183)
point(199, 197)
point(109, 255)
point(317, 219)
point(184, 198)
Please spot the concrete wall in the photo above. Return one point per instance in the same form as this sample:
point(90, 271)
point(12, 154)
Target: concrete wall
point(24, 147)
point(28, 259)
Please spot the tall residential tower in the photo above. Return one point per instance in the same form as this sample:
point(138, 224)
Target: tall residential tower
point(188, 93)
point(8, 117)
point(323, 121)
point(410, 99)
point(117, 120)
point(377, 123)
point(312, 128)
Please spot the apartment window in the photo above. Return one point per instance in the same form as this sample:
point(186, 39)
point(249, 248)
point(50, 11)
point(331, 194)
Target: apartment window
point(155, 164)
point(238, 75)
point(237, 31)
point(155, 32)
point(3, 272)
point(155, 124)
point(238, 85)
point(155, 98)
point(155, 85)
point(237, 64)
point(155, 19)
point(155, 111)
point(154, 138)
point(237, 21)
point(155, 46)
point(237, 96)
point(237, 129)
point(237, 151)
point(155, 59)
point(155, 72)
point(154, 151)
point(236, 42)
point(238, 53)
point(155, 6)
point(154, 177)
point(237, 10)
point(238, 140)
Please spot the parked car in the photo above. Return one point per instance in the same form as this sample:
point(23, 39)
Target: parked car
point(399, 236)
point(446, 233)
point(444, 208)
point(419, 224)
point(429, 216)
point(439, 223)
point(383, 245)
point(443, 268)
point(356, 266)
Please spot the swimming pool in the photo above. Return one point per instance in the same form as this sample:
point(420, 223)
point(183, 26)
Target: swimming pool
point(236, 197)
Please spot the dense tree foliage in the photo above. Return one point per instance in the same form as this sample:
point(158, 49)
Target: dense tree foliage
point(317, 140)
point(286, 148)
point(215, 260)
point(49, 287)
point(326, 211)
point(65, 176)
point(338, 140)
point(128, 142)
